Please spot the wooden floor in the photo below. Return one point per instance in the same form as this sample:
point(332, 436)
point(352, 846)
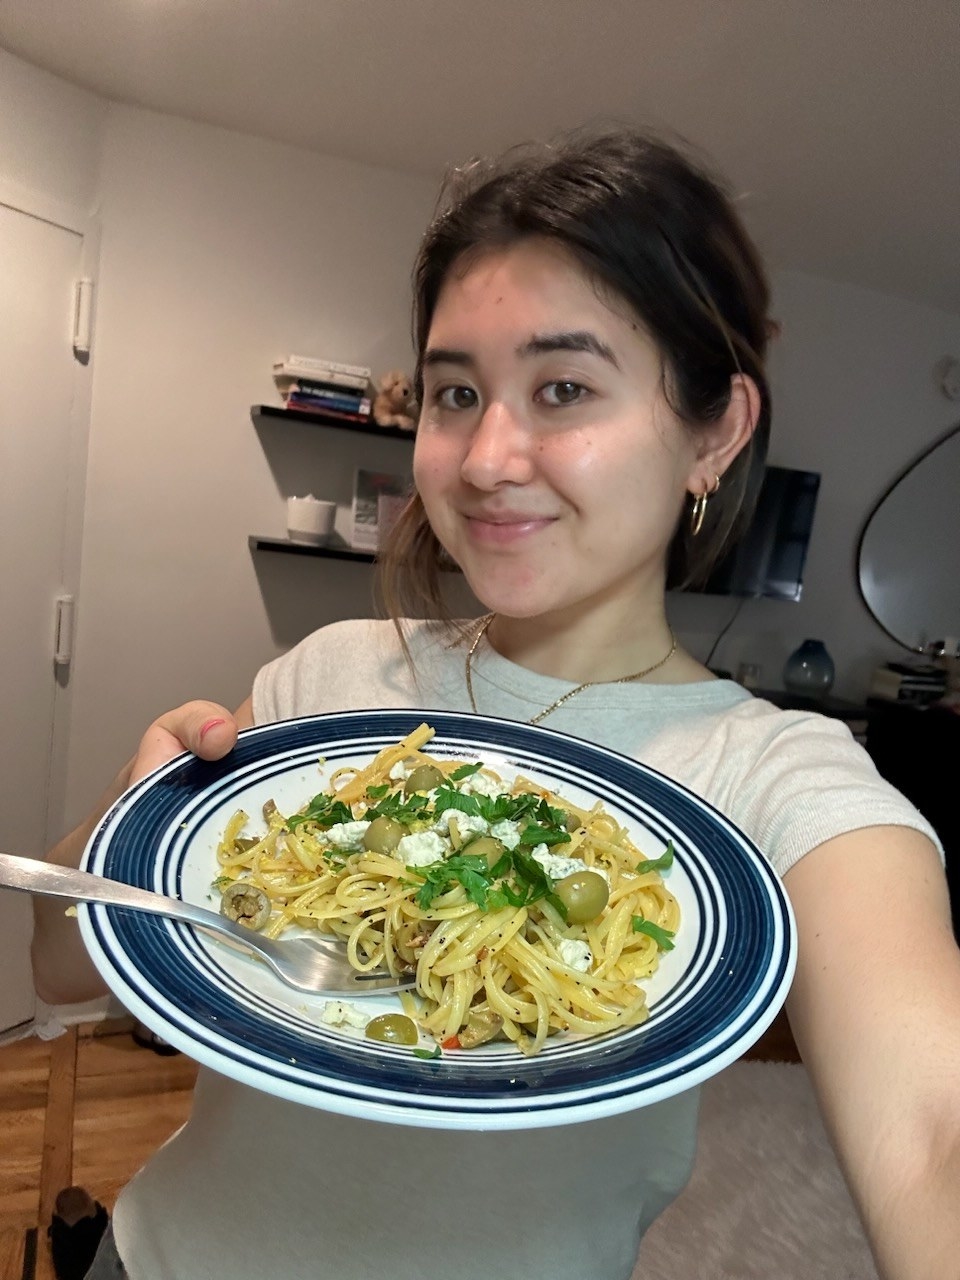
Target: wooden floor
point(90, 1107)
point(85, 1109)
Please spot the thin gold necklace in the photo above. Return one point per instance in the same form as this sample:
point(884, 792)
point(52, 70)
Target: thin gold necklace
point(587, 684)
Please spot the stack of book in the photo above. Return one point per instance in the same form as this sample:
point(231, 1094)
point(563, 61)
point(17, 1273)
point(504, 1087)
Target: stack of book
point(916, 684)
point(311, 385)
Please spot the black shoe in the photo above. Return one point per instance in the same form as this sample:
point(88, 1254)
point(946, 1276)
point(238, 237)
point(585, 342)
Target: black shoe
point(148, 1039)
point(75, 1232)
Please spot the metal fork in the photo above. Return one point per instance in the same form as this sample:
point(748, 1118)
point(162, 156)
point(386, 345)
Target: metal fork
point(314, 966)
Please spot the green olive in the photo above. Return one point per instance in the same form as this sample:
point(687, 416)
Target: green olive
point(383, 835)
point(486, 847)
point(584, 894)
point(392, 1028)
point(423, 778)
point(571, 821)
point(245, 903)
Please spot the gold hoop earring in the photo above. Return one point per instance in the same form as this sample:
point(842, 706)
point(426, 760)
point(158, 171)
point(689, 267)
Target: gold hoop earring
point(700, 506)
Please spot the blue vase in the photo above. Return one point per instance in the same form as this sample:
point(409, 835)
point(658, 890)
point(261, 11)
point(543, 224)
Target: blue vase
point(809, 670)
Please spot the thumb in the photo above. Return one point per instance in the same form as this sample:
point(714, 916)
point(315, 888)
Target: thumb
point(205, 728)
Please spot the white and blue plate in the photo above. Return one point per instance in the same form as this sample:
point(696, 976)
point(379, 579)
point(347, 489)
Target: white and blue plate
point(712, 997)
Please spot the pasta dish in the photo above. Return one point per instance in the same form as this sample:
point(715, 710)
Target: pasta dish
point(521, 913)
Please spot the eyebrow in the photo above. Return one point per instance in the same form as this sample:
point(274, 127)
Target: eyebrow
point(573, 340)
point(540, 344)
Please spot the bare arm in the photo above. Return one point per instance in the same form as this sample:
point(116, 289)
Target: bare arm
point(62, 971)
point(875, 1009)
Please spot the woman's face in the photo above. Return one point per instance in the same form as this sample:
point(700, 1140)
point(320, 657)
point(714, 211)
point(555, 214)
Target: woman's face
point(549, 464)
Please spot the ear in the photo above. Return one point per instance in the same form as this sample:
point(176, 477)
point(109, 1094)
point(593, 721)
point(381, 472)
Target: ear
point(718, 443)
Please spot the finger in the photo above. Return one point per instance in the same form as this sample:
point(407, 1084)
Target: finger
point(205, 728)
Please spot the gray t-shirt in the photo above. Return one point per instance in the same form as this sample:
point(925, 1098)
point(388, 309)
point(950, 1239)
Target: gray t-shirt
point(253, 1186)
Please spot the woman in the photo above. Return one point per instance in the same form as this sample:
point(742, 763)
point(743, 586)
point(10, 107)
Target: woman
point(590, 323)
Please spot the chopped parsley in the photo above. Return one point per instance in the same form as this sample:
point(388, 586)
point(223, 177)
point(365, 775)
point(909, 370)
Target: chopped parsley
point(403, 809)
point(517, 879)
point(663, 863)
point(468, 869)
point(323, 810)
point(662, 937)
point(465, 771)
point(428, 1053)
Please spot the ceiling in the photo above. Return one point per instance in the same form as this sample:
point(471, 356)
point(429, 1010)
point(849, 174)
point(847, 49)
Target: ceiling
point(838, 121)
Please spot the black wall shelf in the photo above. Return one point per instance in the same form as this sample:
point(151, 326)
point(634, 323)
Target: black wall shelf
point(336, 549)
point(269, 412)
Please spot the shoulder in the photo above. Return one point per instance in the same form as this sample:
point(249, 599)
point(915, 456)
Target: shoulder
point(796, 779)
point(322, 672)
point(346, 665)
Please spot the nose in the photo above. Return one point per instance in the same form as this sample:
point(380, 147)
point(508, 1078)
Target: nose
point(498, 451)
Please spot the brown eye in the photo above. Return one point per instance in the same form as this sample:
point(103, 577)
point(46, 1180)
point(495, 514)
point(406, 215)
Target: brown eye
point(457, 398)
point(561, 393)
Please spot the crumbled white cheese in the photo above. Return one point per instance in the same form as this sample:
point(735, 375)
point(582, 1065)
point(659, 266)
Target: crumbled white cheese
point(507, 832)
point(340, 1013)
point(480, 785)
point(422, 849)
point(576, 954)
point(468, 824)
point(558, 868)
point(347, 836)
point(400, 771)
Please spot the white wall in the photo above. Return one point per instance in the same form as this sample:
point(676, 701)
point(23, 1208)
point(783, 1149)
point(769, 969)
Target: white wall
point(220, 254)
point(50, 134)
point(855, 398)
point(50, 142)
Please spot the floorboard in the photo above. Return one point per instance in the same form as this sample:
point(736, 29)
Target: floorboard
point(97, 1107)
point(87, 1109)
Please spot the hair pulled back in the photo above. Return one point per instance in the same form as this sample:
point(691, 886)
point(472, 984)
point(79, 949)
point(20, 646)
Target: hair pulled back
point(650, 224)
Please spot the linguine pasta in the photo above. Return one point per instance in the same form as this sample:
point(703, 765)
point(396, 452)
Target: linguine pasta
point(477, 885)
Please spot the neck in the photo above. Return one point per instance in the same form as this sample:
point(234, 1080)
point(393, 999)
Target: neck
point(590, 647)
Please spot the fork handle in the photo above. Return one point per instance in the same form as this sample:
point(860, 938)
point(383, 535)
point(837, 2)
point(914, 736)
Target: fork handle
point(29, 875)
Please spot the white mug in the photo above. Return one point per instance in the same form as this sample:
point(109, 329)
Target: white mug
point(310, 519)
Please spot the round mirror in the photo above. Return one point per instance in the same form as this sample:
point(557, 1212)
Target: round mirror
point(909, 557)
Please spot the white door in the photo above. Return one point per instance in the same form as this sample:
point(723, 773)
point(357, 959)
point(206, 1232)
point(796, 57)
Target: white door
point(39, 264)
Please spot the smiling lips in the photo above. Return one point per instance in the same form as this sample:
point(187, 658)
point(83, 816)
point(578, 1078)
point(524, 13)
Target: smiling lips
point(500, 528)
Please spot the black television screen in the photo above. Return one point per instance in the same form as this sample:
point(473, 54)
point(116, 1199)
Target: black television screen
point(769, 558)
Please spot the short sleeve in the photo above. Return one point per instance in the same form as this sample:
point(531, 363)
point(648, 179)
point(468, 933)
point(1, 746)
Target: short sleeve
point(811, 782)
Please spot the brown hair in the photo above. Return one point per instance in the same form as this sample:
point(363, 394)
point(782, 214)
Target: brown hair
point(649, 223)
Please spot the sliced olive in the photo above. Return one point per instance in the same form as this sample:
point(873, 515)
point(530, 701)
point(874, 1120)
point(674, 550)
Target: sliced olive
point(383, 835)
point(482, 1025)
point(584, 894)
point(392, 1028)
point(487, 847)
point(423, 778)
point(245, 903)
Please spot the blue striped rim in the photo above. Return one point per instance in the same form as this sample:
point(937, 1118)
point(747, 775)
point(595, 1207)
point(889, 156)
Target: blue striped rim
point(729, 991)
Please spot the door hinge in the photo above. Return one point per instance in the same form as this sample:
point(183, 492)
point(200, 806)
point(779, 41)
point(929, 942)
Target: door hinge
point(82, 315)
point(63, 635)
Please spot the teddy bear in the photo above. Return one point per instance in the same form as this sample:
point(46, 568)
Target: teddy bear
point(394, 404)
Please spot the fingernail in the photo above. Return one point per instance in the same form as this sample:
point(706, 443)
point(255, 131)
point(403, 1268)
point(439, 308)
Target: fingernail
point(210, 724)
